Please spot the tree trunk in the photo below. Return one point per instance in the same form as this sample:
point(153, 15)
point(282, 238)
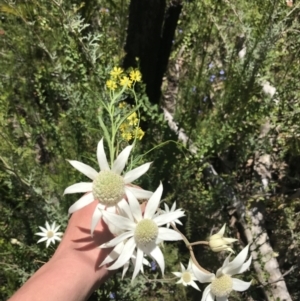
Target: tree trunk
point(264, 261)
point(151, 30)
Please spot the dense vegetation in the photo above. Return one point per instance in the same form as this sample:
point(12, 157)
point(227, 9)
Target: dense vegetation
point(227, 71)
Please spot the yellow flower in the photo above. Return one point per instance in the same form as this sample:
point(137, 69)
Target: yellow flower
point(133, 120)
point(122, 104)
point(132, 116)
point(126, 135)
point(112, 85)
point(116, 72)
point(139, 133)
point(125, 81)
point(123, 127)
point(135, 75)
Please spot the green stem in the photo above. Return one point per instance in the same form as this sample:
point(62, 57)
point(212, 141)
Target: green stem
point(199, 243)
point(189, 246)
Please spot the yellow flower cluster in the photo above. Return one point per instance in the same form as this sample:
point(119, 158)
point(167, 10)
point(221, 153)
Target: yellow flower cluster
point(118, 77)
point(129, 128)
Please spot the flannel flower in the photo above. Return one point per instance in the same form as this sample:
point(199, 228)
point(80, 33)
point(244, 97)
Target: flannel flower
point(172, 209)
point(107, 186)
point(222, 283)
point(218, 242)
point(117, 250)
point(187, 276)
point(49, 234)
point(141, 232)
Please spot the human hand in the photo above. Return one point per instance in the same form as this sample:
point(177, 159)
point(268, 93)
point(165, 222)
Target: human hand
point(73, 272)
point(78, 244)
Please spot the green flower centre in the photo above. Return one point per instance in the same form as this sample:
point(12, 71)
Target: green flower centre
point(146, 231)
point(50, 234)
point(222, 286)
point(186, 277)
point(108, 188)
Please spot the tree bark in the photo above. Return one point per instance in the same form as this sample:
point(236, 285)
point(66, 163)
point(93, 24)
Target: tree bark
point(264, 261)
point(151, 30)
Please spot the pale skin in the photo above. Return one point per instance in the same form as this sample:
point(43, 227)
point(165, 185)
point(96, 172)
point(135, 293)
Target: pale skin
point(73, 272)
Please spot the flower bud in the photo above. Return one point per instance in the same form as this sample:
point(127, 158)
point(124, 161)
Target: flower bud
point(14, 241)
point(218, 243)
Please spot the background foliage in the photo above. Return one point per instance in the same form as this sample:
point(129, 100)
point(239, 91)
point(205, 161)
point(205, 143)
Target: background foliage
point(55, 59)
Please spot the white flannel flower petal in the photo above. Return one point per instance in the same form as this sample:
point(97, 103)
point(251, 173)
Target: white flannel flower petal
point(49, 234)
point(172, 209)
point(187, 276)
point(222, 284)
point(141, 232)
point(108, 186)
point(218, 242)
point(115, 253)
